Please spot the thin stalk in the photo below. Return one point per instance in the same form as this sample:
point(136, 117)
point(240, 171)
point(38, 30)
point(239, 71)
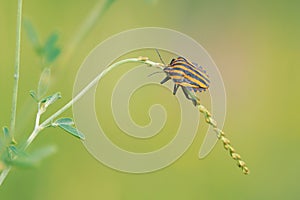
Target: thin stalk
point(87, 25)
point(39, 127)
point(226, 142)
point(31, 137)
point(4, 174)
point(220, 134)
point(94, 81)
point(16, 72)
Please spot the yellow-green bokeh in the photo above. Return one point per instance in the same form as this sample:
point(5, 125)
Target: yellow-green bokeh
point(256, 46)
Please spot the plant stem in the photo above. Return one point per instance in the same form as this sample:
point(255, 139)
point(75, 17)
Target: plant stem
point(87, 25)
point(16, 72)
point(76, 98)
point(4, 174)
point(226, 142)
point(29, 140)
point(37, 127)
point(220, 134)
point(40, 127)
point(94, 81)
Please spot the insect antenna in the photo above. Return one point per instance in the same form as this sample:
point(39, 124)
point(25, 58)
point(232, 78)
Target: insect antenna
point(158, 72)
point(160, 57)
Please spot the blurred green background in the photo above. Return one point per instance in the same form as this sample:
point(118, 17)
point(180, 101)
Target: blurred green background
point(256, 46)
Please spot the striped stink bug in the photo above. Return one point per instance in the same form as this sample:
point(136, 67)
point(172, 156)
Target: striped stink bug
point(186, 75)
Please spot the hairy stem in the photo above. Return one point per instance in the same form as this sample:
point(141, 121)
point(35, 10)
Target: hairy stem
point(16, 71)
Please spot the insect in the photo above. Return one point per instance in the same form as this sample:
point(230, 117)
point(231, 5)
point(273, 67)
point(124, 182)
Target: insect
point(187, 75)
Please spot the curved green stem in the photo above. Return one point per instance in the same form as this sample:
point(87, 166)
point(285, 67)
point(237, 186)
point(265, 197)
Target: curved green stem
point(16, 72)
point(93, 82)
point(78, 96)
point(38, 127)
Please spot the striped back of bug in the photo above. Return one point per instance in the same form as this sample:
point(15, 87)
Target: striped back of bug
point(188, 75)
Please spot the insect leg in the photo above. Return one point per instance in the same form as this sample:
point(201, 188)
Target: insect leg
point(165, 80)
point(184, 89)
point(186, 93)
point(175, 88)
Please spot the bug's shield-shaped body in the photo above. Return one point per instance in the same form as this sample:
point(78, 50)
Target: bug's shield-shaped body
point(186, 75)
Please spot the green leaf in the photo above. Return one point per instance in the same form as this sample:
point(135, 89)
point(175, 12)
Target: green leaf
point(5, 139)
point(5, 132)
point(44, 83)
point(50, 99)
point(32, 35)
point(33, 95)
point(50, 42)
point(50, 50)
point(10, 153)
point(66, 121)
point(33, 159)
point(15, 151)
point(67, 124)
point(52, 55)
point(73, 131)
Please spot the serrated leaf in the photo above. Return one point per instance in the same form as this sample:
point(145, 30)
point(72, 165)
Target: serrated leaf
point(33, 159)
point(72, 130)
point(32, 35)
point(66, 121)
point(52, 54)
point(44, 83)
